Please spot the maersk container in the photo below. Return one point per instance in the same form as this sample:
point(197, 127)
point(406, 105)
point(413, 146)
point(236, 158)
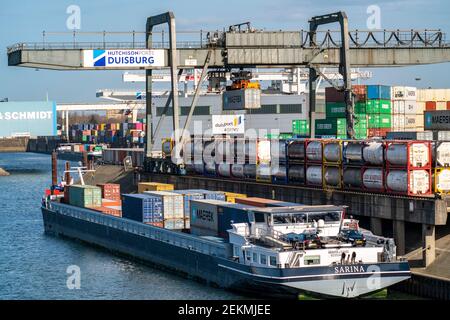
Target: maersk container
point(314, 151)
point(242, 99)
point(419, 154)
point(443, 154)
point(332, 176)
point(378, 92)
point(296, 173)
point(142, 208)
point(352, 177)
point(419, 181)
point(332, 152)
point(250, 171)
point(373, 153)
point(237, 171)
point(373, 179)
point(314, 175)
point(296, 150)
point(85, 195)
point(172, 203)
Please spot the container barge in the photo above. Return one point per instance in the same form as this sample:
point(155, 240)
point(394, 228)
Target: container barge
point(275, 250)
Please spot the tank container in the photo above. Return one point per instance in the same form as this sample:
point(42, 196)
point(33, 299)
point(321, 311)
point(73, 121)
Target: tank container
point(314, 151)
point(419, 181)
point(296, 151)
point(237, 170)
point(443, 154)
point(352, 177)
point(373, 179)
point(332, 176)
point(296, 173)
point(419, 154)
point(353, 152)
point(314, 175)
point(332, 152)
point(373, 153)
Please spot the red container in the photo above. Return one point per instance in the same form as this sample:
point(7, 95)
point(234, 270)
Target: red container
point(378, 132)
point(333, 95)
point(448, 105)
point(110, 191)
point(360, 90)
point(430, 105)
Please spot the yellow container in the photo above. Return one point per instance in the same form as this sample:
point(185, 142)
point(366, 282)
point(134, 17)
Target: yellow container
point(154, 186)
point(231, 196)
point(442, 180)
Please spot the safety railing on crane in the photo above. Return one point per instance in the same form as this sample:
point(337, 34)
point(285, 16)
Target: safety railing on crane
point(202, 39)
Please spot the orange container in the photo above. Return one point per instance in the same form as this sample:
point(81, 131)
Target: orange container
point(448, 105)
point(111, 203)
point(110, 191)
point(430, 105)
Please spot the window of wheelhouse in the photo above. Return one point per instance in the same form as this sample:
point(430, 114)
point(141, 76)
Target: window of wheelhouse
point(311, 260)
point(263, 259)
point(273, 261)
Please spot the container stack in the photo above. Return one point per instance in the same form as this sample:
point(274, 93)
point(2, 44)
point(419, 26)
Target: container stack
point(85, 196)
point(110, 191)
point(116, 134)
point(188, 196)
point(408, 167)
point(172, 207)
point(407, 113)
point(143, 208)
point(379, 110)
point(295, 154)
point(433, 99)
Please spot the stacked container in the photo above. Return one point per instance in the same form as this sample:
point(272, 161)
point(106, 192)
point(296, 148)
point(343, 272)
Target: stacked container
point(300, 128)
point(173, 209)
point(143, 208)
point(406, 114)
point(379, 110)
point(154, 186)
point(295, 161)
point(189, 195)
point(408, 167)
point(110, 191)
point(353, 162)
point(332, 164)
point(313, 164)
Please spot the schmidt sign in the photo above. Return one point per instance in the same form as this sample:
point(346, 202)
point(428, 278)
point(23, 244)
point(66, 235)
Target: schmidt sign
point(437, 120)
point(33, 118)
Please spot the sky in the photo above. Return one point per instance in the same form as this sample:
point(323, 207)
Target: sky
point(25, 20)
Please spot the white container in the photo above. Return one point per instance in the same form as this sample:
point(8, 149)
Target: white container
point(443, 181)
point(443, 154)
point(398, 122)
point(403, 93)
point(420, 107)
point(173, 204)
point(237, 170)
point(373, 153)
point(404, 107)
point(224, 170)
point(332, 176)
point(419, 181)
point(332, 152)
point(314, 175)
point(373, 179)
point(314, 151)
point(263, 151)
point(419, 155)
point(411, 121)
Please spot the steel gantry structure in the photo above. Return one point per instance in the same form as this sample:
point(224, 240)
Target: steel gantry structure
point(237, 48)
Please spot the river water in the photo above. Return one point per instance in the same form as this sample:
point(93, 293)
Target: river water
point(35, 266)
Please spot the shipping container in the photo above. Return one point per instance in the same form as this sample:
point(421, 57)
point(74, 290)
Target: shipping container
point(378, 92)
point(404, 93)
point(332, 177)
point(188, 196)
point(142, 208)
point(314, 175)
point(360, 91)
point(296, 151)
point(333, 95)
point(231, 196)
point(242, 99)
point(110, 191)
point(296, 174)
point(85, 195)
point(256, 202)
point(154, 186)
point(442, 180)
point(300, 127)
point(379, 106)
point(408, 154)
point(172, 203)
point(208, 194)
point(442, 154)
point(409, 182)
point(335, 110)
point(378, 121)
point(404, 107)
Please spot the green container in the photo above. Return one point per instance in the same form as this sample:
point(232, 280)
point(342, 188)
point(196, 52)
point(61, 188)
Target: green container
point(83, 196)
point(335, 109)
point(300, 127)
point(379, 106)
point(377, 121)
point(361, 107)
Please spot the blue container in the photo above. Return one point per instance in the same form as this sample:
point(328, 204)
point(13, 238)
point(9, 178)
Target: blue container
point(142, 208)
point(232, 213)
point(378, 92)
